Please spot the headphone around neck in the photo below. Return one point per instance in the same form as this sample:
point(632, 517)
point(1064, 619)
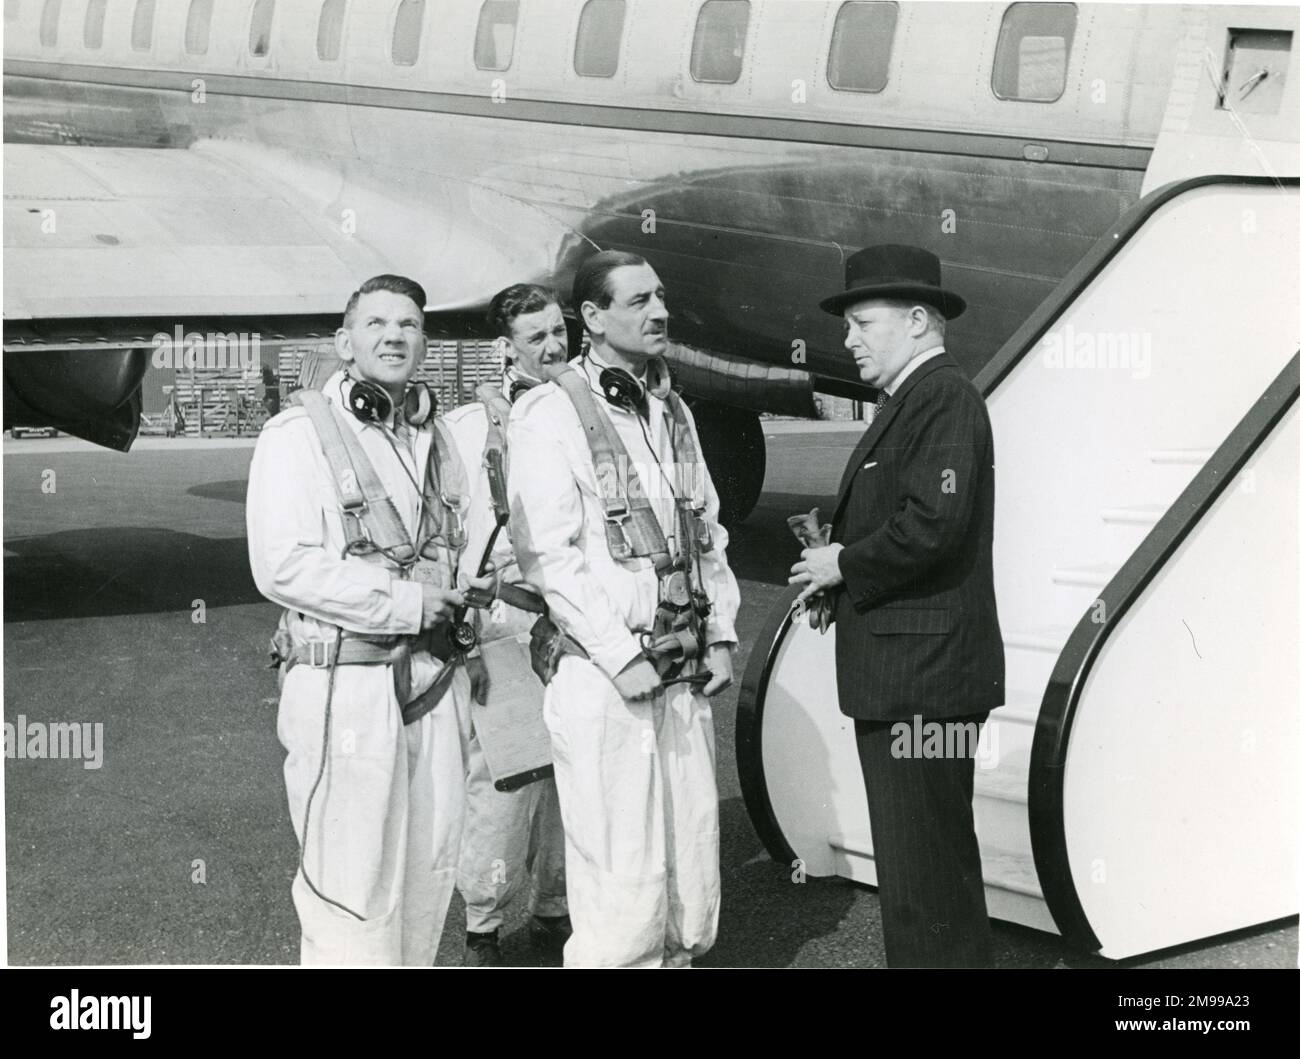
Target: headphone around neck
point(623, 390)
point(519, 385)
point(370, 402)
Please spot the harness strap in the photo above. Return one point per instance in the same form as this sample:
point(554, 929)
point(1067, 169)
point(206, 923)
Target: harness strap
point(422, 704)
point(322, 654)
point(370, 519)
point(632, 527)
point(498, 412)
point(445, 482)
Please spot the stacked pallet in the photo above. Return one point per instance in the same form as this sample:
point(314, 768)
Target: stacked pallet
point(210, 400)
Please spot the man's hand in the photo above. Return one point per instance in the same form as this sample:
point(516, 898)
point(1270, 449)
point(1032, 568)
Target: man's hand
point(717, 660)
point(479, 684)
point(817, 570)
point(638, 680)
point(482, 591)
point(439, 604)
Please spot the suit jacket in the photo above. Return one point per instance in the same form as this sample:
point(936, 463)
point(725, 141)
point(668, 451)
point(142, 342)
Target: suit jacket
point(916, 622)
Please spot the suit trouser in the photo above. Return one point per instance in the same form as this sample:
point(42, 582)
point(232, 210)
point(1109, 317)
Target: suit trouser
point(927, 857)
point(385, 820)
point(509, 836)
point(640, 804)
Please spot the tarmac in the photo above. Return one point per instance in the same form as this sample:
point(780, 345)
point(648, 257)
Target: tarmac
point(129, 603)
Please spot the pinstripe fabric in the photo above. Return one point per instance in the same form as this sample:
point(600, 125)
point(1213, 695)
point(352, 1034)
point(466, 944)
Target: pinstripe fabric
point(916, 623)
point(916, 633)
point(927, 858)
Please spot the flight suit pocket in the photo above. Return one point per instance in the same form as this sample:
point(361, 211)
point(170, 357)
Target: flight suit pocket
point(888, 621)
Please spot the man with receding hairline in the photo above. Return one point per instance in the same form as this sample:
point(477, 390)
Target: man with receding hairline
point(372, 721)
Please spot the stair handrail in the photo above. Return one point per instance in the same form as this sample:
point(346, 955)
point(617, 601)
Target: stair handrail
point(1075, 663)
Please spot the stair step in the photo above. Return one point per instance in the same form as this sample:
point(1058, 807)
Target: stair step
point(1191, 457)
point(1048, 638)
point(1025, 713)
point(1031, 654)
point(1009, 782)
point(1097, 575)
point(1004, 869)
point(1014, 870)
point(1141, 515)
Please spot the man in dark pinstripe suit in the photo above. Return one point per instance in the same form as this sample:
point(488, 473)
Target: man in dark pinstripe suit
point(909, 577)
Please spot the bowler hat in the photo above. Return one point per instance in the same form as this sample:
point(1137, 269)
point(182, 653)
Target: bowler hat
point(890, 270)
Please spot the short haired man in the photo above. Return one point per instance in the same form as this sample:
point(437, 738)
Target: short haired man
point(378, 817)
point(633, 744)
point(509, 835)
point(910, 575)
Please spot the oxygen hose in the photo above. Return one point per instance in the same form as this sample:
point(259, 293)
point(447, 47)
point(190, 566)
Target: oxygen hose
point(320, 774)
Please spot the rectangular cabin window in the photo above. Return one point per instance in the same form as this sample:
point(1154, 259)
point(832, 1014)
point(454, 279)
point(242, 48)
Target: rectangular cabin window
point(259, 29)
point(142, 26)
point(198, 26)
point(329, 31)
point(93, 31)
point(407, 29)
point(861, 44)
point(50, 23)
point(494, 45)
point(1033, 53)
point(718, 53)
point(600, 38)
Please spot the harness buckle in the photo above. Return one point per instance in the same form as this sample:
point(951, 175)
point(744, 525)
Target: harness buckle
point(324, 660)
point(456, 525)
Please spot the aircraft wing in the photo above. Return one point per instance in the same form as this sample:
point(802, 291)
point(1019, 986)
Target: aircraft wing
point(124, 232)
point(105, 245)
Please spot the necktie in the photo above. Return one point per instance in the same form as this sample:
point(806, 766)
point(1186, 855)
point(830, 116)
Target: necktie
point(882, 398)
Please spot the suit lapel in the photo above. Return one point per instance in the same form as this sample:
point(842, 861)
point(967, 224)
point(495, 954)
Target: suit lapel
point(878, 427)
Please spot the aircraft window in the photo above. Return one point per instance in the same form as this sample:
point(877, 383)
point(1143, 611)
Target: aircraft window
point(259, 29)
point(494, 46)
point(142, 26)
point(1034, 52)
point(860, 46)
point(50, 23)
point(93, 34)
point(198, 25)
point(600, 38)
point(406, 32)
point(329, 32)
point(718, 52)
point(12, 10)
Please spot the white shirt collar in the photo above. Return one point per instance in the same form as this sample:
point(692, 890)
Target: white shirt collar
point(910, 367)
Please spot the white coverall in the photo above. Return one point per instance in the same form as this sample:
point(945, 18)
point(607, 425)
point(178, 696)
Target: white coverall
point(509, 835)
point(636, 779)
point(386, 819)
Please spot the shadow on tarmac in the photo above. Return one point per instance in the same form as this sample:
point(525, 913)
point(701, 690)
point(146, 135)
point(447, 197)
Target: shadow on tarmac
point(95, 573)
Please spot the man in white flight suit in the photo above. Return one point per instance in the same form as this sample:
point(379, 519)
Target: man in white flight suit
point(634, 759)
point(384, 816)
point(509, 835)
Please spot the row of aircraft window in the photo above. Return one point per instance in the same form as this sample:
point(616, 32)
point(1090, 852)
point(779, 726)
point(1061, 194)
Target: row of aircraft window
point(1030, 63)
